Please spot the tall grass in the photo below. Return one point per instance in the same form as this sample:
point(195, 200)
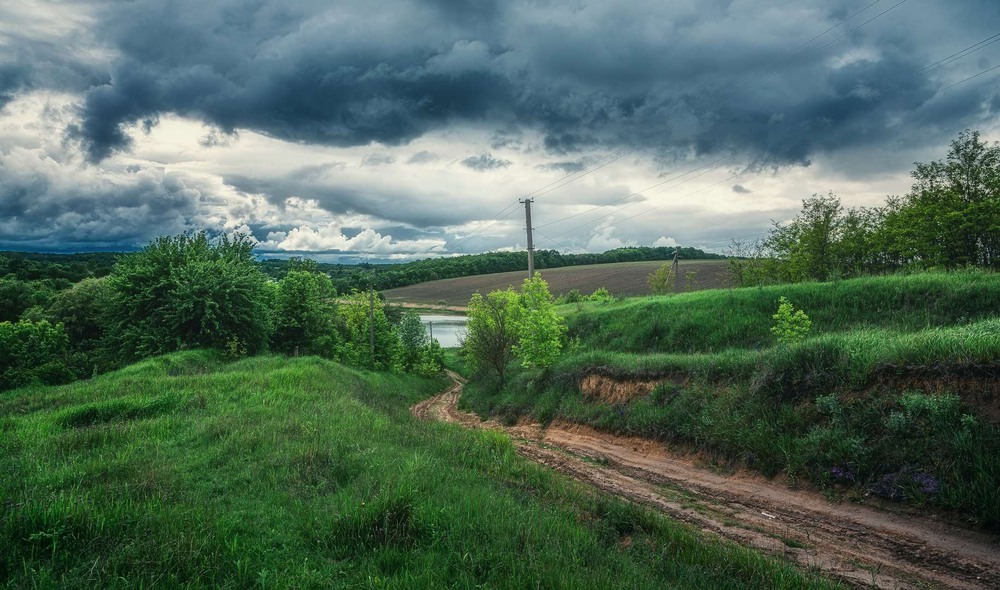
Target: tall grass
point(835, 409)
point(185, 472)
point(710, 321)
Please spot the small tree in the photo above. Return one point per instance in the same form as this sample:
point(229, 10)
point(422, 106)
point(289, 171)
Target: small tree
point(413, 340)
point(492, 332)
point(661, 281)
point(540, 330)
point(358, 312)
point(790, 324)
point(305, 314)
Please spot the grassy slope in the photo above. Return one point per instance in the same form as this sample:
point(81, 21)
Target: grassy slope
point(298, 473)
point(836, 408)
point(621, 278)
point(741, 318)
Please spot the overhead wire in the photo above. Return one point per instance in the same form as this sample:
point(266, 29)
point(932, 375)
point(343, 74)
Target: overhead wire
point(576, 174)
point(736, 87)
point(573, 177)
point(939, 91)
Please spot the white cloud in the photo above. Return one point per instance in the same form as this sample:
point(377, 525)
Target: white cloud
point(605, 239)
point(664, 241)
point(331, 238)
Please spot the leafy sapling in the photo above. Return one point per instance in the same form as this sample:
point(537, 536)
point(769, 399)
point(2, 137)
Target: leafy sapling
point(790, 324)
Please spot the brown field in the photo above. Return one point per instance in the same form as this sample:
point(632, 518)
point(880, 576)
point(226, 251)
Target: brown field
point(624, 279)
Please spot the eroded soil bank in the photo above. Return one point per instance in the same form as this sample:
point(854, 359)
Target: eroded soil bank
point(861, 545)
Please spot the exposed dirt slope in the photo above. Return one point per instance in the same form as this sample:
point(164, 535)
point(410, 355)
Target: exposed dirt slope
point(860, 545)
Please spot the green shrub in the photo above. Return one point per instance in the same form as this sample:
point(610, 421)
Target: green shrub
point(188, 291)
point(33, 352)
point(790, 324)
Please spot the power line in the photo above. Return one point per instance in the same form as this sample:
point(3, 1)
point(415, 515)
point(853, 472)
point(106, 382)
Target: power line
point(739, 174)
point(714, 165)
point(638, 193)
point(822, 47)
point(787, 54)
point(692, 193)
point(960, 54)
point(552, 240)
point(568, 180)
point(964, 80)
point(509, 209)
point(792, 52)
point(619, 157)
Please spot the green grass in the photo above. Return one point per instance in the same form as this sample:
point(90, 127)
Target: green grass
point(716, 320)
point(186, 472)
point(892, 393)
point(811, 367)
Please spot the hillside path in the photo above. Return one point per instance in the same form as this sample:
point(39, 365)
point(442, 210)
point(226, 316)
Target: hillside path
point(862, 546)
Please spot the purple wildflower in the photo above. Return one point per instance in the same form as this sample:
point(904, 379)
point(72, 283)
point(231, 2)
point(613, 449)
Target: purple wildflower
point(926, 483)
point(842, 473)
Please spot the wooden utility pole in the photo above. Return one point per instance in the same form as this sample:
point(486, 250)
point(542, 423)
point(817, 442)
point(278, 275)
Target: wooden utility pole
point(531, 248)
point(674, 269)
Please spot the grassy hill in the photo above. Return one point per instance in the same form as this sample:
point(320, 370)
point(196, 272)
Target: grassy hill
point(894, 392)
point(187, 472)
point(622, 279)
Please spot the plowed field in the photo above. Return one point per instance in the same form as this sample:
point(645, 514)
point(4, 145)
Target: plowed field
point(623, 279)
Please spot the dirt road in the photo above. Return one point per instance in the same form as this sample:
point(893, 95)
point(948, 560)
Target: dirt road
point(860, 545)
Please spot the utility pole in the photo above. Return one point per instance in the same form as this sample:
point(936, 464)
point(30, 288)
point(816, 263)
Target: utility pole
point(531, 248)
point(674, 270)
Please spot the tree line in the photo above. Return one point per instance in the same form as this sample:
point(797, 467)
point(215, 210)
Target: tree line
point(390, 276)
point(29, 279)
point(190, 291)
point(950, 219)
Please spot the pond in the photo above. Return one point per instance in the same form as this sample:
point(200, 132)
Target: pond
point(447, 329)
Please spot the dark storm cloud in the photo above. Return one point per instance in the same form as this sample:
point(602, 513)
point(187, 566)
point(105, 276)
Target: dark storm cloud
point(378, 160)
point(12, 80)
point(485, 162)
point(422, 157)
point(674, 81)
point(565, 167)
point(740, 189)
point(394, 204)
point(43, 205)
point(658, 76)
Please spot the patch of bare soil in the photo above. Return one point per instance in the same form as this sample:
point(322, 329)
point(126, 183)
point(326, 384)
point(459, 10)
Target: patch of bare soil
point(615, 391)
point(860, 545)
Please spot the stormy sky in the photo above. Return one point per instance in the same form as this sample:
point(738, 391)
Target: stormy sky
point(400, 129)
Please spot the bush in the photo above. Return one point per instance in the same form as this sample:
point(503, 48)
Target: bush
point(305, 314)
point(188, 291)
point(33, 352)
point(540, 330)
point(413, 340)
point(790, 324)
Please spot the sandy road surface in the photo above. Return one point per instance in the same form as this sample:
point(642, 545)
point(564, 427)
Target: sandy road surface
point(862, 546)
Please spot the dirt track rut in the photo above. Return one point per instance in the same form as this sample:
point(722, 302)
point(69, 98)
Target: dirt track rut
point(859, 545)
